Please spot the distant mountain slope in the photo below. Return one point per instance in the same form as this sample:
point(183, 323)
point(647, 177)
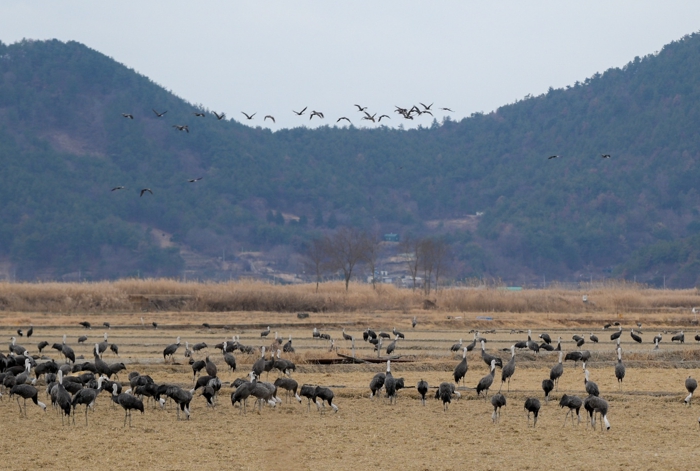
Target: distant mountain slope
point(64, 144)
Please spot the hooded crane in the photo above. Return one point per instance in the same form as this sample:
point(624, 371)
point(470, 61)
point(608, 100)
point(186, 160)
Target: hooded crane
point(532, 405)
point(261, 364)
point(422, 388)
point(63, 398)
point(100, 365)
point(572, 403)
point(487, 357)
point(617, 334)
point(182, 398)
point(547, 386)
point(210, 367)
point(243, 391)
point(509, 369)
point(547, 339)
point(229, 359)
point(68, 352)
point(444, 393)
point(594, 338)
point(498, 400)
point(16, 349)
point(397, 333)
point(87, 397)
point(486, 382)
point(619, 368)
point(531, 344)
point(326, 395)
point(457, 346)
point(128, 403)
point(635, 337)
point(471, 346)
point(345, 336)
point(599, 405)
point(678, 337)
point(103, 346)
point(26, 391)
point(460, 370)
point(287, 347)
point(691, 385)
point(289, 385)
point(283, 365)
point(170, 350)
point(390, 384)
point(556, 371)
point(591, 387)
point(376, 384)
point(392, 346)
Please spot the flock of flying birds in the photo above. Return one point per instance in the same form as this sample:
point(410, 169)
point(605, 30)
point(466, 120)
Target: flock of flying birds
point(407, 113)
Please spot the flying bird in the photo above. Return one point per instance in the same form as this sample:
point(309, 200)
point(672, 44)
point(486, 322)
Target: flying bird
point(383, 116)
point(181, 127)
point(361, 108)
point(343, 118)
point(271, 117)
point(118, 188)
point(316, 113)
point(127, 115)
point(192, 180)
point(605, 156)
point(144, 191)
point(250, 116)
point(552, 157)
point(299, 113)
point(427, 108)
point(447, 109)
point(198, 114)
point(160, 115)
point(369, 117)
point(219, 116)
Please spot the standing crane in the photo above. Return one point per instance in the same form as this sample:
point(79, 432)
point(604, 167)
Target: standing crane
point(509, 369)
point(486, 382)
point(460, 370)
point(557, 371)
point(619, 368)
point(498, 400)
point(691, 385)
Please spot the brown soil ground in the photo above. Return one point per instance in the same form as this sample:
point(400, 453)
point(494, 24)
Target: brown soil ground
point(651, 428)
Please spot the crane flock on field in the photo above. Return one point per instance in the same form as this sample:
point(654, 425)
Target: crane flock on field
point(69, 382)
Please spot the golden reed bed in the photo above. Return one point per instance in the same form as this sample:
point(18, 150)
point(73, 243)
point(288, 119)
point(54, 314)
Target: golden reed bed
point(166, 294)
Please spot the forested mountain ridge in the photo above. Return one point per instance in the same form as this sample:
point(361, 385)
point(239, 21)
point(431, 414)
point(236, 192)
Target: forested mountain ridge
point(64, 144)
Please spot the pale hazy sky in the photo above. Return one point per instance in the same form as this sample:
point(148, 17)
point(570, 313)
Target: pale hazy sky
point(271, 57)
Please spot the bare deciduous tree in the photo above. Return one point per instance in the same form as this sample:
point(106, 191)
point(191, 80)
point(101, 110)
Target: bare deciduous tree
point(346, 248)
point(372, 252)
point(410, 251)
point(433, 256)
point(441, 253)
point(317, 255)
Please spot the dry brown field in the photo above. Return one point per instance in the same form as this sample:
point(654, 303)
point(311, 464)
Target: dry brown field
point(651, 427)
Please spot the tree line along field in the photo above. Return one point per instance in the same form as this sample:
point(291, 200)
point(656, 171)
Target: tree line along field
point(650, 425)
